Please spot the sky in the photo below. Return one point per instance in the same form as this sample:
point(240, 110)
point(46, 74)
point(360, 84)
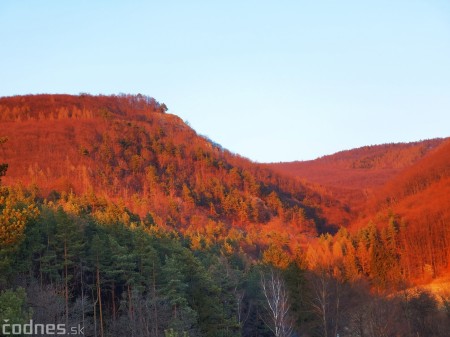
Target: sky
point(270, 80)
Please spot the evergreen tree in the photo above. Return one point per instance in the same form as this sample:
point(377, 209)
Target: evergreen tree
point(13, 309)
point(175, 291)
point(100, 261)
point(121, 270)
point(299, 296)
point(148, 266)
point(69, 246)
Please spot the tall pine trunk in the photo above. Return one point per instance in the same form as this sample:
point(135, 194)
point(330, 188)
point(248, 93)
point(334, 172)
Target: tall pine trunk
point(99, 298)
point(113, 299)
point(66, 283)
point(155, 309)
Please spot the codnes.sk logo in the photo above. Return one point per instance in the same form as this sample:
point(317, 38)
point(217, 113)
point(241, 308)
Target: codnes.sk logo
point(32, 328)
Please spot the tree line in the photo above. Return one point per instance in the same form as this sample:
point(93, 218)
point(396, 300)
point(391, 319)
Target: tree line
point(117, 275)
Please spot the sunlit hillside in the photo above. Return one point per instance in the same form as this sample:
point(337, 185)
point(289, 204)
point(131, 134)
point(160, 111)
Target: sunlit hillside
point(128, 149)
point(117, 216)
point(354, 175)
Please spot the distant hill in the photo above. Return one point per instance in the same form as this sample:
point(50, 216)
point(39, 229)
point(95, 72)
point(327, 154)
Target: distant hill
point(353, 175)
point(432, 170)
point(129, 150)
point(419, 197)
point(401, 189)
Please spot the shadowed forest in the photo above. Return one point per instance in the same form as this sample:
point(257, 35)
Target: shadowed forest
point(117, 216)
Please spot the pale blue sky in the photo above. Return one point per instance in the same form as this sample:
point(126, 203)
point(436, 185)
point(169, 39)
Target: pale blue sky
point(270, 80)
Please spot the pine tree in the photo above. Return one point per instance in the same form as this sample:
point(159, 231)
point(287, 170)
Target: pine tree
point(229, 281)
point(100, 262)
point(69, 241)
point(175, 286)
point(299, 295)
point(13, 309)
point(148, 266)
point(120, 271)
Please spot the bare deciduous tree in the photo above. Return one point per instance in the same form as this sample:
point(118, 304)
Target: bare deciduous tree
point(320, 285)
point(277, 304)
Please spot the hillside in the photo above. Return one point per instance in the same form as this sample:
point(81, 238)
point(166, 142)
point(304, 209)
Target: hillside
point(419, 197)
point(353, 175)
point(127, 149)
point(403, 190)
point(117, 216)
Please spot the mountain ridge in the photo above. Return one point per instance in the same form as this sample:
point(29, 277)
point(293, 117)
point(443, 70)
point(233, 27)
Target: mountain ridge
point(354, 175)
point(128, 149)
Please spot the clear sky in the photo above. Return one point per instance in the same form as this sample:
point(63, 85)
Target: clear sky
point(270, 80)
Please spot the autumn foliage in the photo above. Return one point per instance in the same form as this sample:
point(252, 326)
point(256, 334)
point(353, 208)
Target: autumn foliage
point(354, 175)
point(117, 214)
point(127, 149)
point(123, 157)
point(399, 196)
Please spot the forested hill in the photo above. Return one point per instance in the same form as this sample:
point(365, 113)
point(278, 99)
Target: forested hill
point(117, 217)
point(354, 175)
point(419, 198)
point(399, 196)
point(128, 149)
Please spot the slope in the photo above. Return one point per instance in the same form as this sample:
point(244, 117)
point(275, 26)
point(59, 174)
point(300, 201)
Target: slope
point(418, 199)
point(127, 149)
point(353, 175)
